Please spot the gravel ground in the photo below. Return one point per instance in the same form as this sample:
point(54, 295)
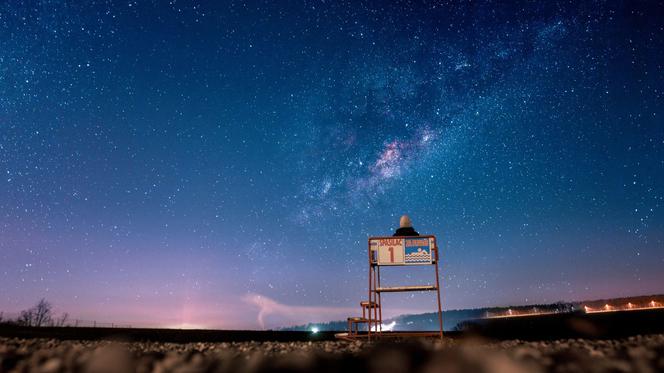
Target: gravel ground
point(635, 354)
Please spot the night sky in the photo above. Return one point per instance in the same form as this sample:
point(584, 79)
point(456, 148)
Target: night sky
point(221, 164)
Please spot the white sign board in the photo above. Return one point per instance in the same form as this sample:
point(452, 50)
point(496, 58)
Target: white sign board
point(402, 250)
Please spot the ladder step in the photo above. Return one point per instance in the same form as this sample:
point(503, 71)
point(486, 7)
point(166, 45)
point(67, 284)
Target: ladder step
point(358, 319)
point(395, 289)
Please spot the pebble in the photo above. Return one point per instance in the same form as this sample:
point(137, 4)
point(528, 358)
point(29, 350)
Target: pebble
point(640, 354)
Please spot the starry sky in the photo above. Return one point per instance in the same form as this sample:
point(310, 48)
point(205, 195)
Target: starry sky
point(221, 164)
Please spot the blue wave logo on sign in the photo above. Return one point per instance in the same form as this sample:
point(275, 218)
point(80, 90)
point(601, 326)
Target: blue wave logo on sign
point(418, 251)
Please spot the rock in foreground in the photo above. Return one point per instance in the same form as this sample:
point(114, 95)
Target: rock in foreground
point(635, 354)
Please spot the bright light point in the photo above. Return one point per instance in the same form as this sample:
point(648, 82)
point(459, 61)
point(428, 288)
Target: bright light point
point(314, 330)
point(389, 327)
point(385, 327)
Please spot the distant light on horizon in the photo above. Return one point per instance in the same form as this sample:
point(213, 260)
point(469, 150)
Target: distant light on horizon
point(629, 306)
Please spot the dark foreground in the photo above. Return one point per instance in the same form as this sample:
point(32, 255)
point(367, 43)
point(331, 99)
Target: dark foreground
point(633, 354)
point(161, 335)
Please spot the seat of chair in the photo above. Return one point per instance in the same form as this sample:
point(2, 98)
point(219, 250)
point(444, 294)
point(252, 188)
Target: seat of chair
point(395, 289)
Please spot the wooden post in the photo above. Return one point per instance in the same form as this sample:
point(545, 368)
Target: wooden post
point(370, 292)
point(379, 306)
point(440, 311)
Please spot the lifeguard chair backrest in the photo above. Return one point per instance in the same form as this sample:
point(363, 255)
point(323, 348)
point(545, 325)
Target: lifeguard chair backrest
point(415, 250)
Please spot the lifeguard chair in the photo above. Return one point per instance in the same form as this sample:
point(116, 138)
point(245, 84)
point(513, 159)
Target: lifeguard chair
point(395, 252)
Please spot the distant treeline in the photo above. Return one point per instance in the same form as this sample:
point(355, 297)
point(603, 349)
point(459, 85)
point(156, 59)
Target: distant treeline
point(453, 319)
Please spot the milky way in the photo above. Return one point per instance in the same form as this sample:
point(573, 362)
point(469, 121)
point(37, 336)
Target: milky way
point(222, 165)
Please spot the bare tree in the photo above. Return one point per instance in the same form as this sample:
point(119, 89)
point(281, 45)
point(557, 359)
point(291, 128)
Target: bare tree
point(39, 315)
point(62, 320)
point(43, 313)
point(26, 318)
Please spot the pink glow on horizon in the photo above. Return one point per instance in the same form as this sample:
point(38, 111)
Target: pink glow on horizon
point(248, 312)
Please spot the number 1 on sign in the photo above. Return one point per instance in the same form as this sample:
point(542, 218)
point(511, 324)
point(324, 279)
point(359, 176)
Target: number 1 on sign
point(391, 250)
